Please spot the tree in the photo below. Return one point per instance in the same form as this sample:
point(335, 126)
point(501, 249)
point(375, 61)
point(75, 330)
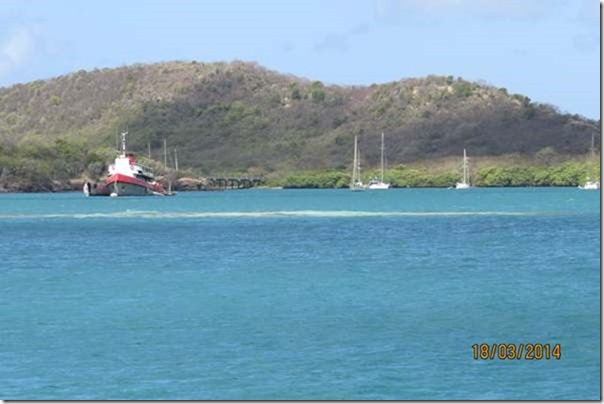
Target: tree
point(317, 93)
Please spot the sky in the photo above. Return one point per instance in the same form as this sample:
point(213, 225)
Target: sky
point(548, 50)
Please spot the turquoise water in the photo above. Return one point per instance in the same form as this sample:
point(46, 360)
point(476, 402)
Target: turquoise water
point(299, 294)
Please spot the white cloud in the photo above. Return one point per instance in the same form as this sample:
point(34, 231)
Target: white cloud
point(17, 50)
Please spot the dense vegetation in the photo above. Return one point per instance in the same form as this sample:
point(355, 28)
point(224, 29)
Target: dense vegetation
point(239, 118)
point(60, 166)
point(566, 174)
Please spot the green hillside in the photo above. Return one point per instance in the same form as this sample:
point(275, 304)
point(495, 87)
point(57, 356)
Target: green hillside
point(241, 118)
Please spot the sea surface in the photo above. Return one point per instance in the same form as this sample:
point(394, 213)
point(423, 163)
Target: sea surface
point(299, 294)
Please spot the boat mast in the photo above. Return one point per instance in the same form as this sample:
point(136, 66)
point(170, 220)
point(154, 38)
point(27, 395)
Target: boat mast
point(124, 143)
point(358, 166)
point(465, 167)
point(382, 175)
point(354, 162)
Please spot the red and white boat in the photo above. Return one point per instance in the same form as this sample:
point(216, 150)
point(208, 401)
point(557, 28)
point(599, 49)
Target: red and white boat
point(126, 178)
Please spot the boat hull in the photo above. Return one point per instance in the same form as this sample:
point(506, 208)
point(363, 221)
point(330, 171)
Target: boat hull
point(122, 185)
point(126, 189)
point(378, 185)
point(357, 186)
point(93, 189)
point(590, 185)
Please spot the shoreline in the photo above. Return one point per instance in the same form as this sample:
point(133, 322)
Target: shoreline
point(489, 174)
point(265, 188)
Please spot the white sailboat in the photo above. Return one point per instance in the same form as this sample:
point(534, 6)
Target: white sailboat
point(464, 184)
point(356, 183)
point(379, 184)
point(590, 184)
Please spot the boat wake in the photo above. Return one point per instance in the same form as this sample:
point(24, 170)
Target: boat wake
point(143, 214)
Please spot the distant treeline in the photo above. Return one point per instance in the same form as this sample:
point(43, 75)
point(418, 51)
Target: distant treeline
point(570, 173)
point(63, 165)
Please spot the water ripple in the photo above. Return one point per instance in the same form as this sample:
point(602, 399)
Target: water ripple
point(143, 214)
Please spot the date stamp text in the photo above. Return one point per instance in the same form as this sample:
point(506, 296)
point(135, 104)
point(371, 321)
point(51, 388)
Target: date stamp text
point(504, 351)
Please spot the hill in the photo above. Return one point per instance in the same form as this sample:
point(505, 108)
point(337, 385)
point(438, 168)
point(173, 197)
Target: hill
point(240, 117)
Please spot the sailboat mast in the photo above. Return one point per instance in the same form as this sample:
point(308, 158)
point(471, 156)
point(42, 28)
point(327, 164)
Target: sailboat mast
point(382, 175)
point(358, 176)
point(465, 167)
point(354, 162)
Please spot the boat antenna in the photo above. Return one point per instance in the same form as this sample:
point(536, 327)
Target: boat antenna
point(124, 142)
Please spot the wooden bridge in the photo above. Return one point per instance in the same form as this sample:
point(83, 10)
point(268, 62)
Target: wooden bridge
point(232, 183)
point(216, 183)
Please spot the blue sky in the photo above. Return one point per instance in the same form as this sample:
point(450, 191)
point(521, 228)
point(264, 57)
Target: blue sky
point(546, 49)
